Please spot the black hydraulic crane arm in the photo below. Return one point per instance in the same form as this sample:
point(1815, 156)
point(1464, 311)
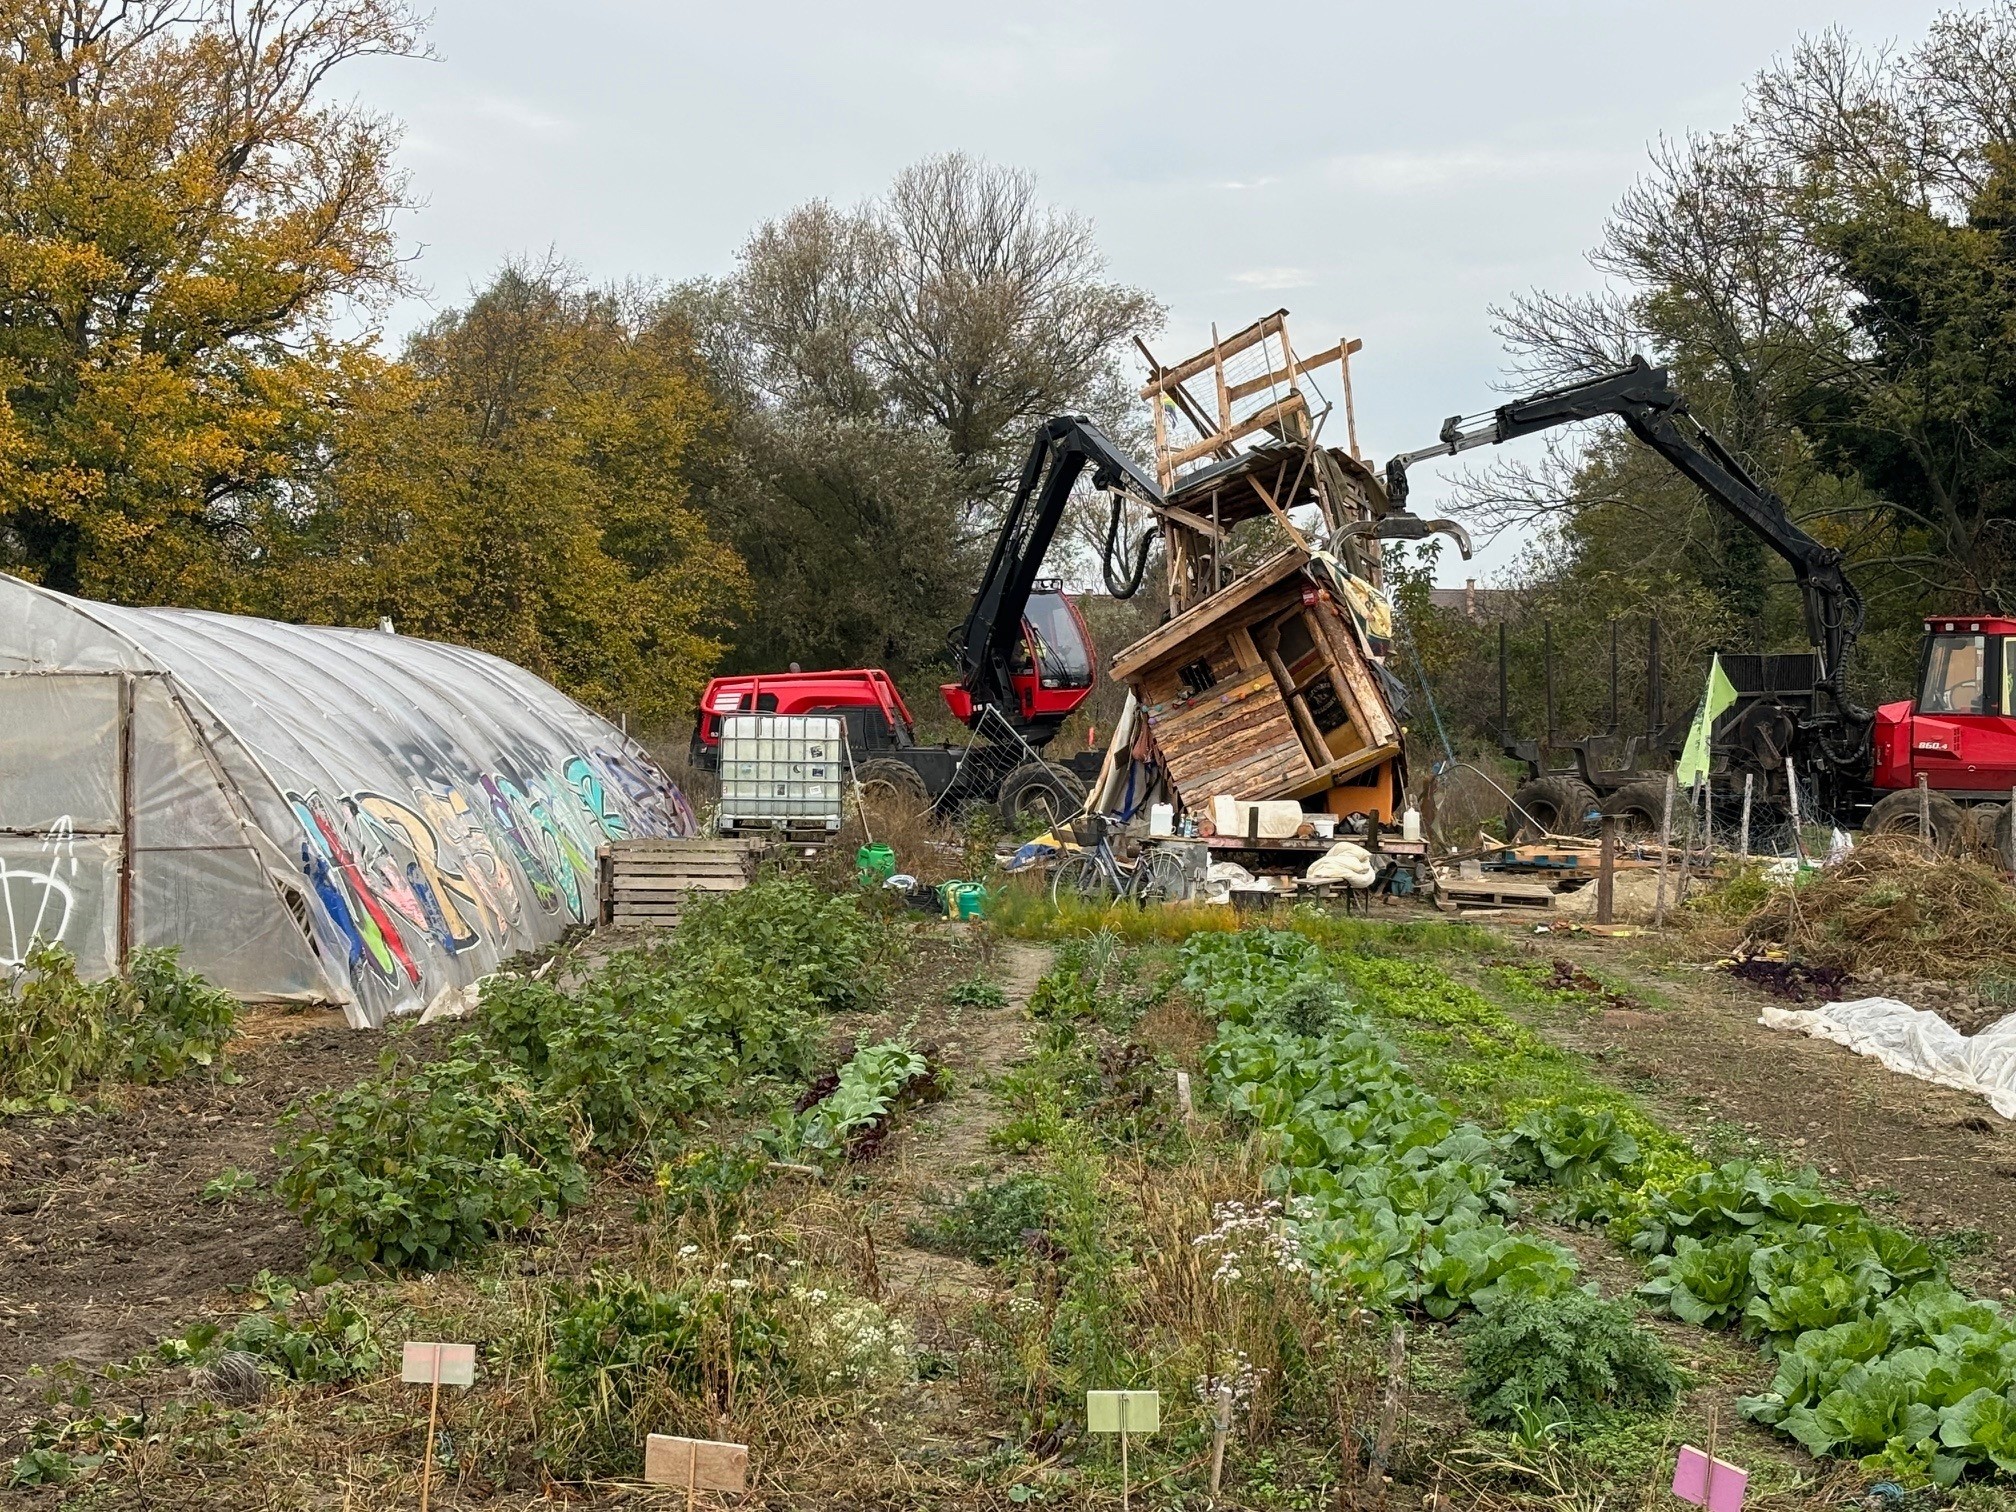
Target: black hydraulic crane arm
point(1063, 448)
point(1644, 399)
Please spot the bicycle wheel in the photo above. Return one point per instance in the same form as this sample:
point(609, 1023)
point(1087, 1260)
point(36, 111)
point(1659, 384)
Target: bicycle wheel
point(1160, 878)
point(1081, 879)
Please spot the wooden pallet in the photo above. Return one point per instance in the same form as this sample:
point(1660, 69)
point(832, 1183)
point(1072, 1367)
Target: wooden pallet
point(1489, 892)
point(648, 881)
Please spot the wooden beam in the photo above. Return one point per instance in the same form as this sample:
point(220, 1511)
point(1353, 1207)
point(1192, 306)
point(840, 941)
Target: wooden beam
point(1273, 414)
point(1161, 642)
point(1232, 346)
point(1280, 376)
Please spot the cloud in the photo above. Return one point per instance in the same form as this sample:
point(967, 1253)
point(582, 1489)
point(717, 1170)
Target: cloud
point(1272, 279)
point(1258, 183)
point(1403, 171)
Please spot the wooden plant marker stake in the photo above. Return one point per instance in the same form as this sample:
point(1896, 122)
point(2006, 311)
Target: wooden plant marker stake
point(1221, 1425)
point(1183, 1098)
point(434, 1366)
point(1123, 1412)
point(696, 1464)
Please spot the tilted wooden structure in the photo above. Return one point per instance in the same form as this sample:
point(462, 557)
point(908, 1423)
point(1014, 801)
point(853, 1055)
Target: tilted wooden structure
point(1265, 682)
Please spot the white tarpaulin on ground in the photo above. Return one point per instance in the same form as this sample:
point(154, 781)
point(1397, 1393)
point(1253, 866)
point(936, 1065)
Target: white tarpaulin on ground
point(1916, 1043)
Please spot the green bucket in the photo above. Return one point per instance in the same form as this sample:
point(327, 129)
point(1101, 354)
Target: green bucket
point(874, 865)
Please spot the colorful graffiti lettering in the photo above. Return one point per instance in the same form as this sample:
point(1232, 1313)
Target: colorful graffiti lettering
point(545, 891)
point(648, 794)
point(369, 925)
point(586, 784)
point(459, 830)
point(438, 889)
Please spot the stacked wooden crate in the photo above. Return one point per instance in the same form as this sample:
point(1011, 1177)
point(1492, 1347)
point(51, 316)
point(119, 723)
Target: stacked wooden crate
point(648, 881)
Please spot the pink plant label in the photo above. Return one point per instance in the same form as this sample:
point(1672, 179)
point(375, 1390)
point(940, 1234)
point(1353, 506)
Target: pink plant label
point(425, 1364)
point(1714, 1484)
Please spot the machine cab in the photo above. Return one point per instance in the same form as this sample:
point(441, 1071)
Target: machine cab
point(1052, 672)
point(1960, 730)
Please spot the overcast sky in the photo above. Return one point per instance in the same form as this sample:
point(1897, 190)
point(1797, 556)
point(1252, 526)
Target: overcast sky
point(1387, 171)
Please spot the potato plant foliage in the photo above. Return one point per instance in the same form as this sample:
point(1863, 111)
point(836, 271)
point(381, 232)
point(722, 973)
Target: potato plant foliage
point(417, 1167)
point(150, 1025)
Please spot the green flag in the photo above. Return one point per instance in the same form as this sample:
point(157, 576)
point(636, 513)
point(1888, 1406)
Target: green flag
point(1715, 701)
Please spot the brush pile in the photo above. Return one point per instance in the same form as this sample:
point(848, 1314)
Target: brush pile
point(1891, 907)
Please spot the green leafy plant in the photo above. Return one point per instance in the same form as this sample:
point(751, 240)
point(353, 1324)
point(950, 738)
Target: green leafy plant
point(229, 1185)
point(419, 1166)
point(626, 1351)
point(1568, 1146)
point(991, 1223)
point(976, 992)
point(1568, 1354)
point(869, 1087)
point(150, 1025)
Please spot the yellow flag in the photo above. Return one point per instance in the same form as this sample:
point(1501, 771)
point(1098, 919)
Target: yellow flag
point(1694, 759)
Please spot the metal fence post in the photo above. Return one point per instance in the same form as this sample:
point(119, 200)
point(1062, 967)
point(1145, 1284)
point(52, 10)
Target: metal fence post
point(1665, 848)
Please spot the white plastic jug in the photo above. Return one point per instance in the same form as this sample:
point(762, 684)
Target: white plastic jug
point(1161, 819)
point(1410, 825)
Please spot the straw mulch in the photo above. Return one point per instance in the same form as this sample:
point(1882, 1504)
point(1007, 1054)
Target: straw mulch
point(1890, 907)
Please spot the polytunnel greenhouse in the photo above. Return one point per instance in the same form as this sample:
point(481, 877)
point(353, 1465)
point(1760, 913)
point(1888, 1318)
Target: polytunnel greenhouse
point(308, 813)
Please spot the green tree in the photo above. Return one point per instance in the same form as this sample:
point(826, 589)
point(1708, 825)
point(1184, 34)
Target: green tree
point(181, 208)
point(519, 483)
point(885, 366)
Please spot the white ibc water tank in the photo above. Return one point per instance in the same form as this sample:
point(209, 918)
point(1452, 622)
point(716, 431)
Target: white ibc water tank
point(782, 768)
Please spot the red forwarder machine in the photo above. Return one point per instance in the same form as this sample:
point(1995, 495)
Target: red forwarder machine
point(1792, 713)
point(1024, 658)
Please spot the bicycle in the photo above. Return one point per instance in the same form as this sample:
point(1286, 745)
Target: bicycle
point(1098, 876)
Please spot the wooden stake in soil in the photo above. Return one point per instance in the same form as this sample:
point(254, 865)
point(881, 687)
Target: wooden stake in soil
point(434, 1366)
point(1221, 1425)
point(1606, 873)
point(1665, 845)
point(1743, 835)
point(1389, 1407)
point(1924, 836)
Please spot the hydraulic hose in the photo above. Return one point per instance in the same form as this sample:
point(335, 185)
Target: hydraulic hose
point(1125, 586)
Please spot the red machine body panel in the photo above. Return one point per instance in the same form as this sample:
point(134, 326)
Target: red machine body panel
point(799, 693)
point(1960, 731)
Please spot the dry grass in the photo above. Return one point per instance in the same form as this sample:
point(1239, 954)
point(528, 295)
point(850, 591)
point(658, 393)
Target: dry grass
point(1892, 907)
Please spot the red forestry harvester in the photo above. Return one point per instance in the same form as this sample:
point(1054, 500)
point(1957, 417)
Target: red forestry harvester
point(1024, 657)
point(1959, 732)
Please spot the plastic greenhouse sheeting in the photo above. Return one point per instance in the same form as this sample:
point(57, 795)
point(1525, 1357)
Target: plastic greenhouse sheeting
point(308, 813)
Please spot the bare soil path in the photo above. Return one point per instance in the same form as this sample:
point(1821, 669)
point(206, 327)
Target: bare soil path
point(943, 1149)
point(106, 1243)
point(1940, 1161)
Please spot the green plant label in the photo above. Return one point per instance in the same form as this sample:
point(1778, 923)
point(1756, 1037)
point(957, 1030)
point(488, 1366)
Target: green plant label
point(1123, 1411)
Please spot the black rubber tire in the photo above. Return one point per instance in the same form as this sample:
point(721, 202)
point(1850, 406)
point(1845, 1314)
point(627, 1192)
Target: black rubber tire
point(1897, 814)
point(1039, 792)
point(889, 784)
point(1549, 806)
point(1640, 808)
point(2000, 838)
point(1985, 822)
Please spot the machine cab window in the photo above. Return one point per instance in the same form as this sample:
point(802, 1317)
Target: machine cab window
point(1052, 629)
point(1956, 675)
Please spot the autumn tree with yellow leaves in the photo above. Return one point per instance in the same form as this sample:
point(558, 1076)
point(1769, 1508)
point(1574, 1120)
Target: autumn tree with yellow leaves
point(180, 212)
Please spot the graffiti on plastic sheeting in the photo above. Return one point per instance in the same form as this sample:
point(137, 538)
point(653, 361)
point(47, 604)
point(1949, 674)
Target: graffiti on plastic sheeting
point(39, 896)
point(644, 791)
point(586, 784)
point(439, 863)
point(330, 863)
